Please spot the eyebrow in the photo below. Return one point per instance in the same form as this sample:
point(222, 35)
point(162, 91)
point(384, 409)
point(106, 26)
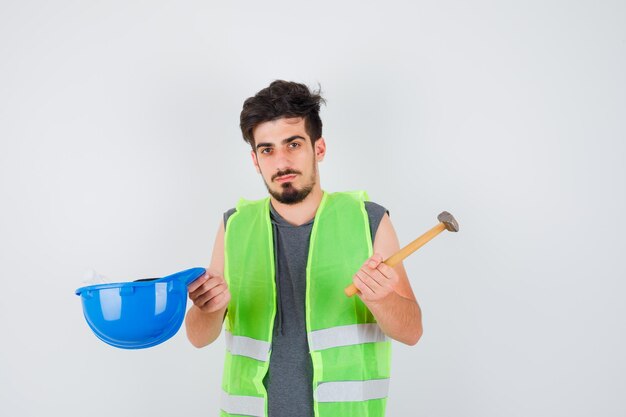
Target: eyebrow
point(284, 142)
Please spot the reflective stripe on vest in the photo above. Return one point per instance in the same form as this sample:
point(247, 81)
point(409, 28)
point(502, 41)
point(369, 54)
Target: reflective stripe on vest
point(247, 346)
point(352, 334)
point(344, 391)
point(243, 405)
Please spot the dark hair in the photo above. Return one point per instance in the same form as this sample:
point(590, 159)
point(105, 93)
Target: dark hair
point(282, 99)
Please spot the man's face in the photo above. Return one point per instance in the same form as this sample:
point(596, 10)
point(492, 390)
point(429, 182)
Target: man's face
point(284, 156)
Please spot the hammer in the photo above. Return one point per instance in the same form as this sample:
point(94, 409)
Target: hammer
point(446, 222)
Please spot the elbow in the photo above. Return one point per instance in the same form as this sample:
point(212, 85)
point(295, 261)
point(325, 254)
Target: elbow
point(199, 340)
point(415, 337)
point(195, 337)
point(197, 343)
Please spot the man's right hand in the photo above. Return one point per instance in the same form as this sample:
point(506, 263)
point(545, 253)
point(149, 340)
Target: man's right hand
point(209, 292)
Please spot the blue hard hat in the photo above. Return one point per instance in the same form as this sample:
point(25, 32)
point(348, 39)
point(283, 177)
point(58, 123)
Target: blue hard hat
point(140, 314)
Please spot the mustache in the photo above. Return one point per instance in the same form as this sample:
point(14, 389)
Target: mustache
point(285, 172)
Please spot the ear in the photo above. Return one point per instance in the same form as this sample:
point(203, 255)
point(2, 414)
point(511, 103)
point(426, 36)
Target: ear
point(255, 161)
point(320, 149)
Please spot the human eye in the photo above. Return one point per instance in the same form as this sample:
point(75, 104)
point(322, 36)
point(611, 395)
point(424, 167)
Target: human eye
point(266, 151)
point(293, 145)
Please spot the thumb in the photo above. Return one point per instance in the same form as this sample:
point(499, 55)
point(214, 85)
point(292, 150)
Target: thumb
point(375, 260)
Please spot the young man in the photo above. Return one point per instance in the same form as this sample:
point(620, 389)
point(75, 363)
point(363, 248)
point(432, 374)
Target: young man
point(296, 345)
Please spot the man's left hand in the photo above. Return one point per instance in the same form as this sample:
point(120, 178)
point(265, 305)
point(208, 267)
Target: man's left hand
point(375, 280)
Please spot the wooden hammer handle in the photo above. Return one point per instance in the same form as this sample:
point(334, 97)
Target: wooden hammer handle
point(397, 257)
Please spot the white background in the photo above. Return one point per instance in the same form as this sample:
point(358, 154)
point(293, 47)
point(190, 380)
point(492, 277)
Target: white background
point(120, 150)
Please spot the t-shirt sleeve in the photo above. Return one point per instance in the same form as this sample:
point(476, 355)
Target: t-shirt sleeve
point(375, 213)
point(227, 215)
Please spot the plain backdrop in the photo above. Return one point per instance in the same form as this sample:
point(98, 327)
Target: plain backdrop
point(120, 150)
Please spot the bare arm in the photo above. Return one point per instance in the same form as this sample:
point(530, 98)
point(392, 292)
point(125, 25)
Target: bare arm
point(386, 291)
point(210, 297)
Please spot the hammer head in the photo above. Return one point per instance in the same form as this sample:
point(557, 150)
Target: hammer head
point(449, 221)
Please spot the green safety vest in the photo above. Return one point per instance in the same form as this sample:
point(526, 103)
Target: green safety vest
point(351, 355)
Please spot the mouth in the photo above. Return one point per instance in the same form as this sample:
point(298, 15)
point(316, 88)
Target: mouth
point(285, 178)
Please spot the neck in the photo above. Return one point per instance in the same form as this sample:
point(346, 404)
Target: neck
point(302, 212)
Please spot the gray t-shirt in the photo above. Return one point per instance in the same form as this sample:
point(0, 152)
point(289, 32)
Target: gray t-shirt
point(288, 381)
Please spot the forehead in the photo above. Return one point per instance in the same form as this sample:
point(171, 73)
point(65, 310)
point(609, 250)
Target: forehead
point(275, 131)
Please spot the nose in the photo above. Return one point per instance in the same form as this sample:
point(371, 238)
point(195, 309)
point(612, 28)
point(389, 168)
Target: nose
point(283, 159)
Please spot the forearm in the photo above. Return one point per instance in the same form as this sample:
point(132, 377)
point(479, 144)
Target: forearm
point(203, 328)
point(399, 318)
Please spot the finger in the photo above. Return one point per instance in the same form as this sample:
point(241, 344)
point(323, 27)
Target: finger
point(210, 295)
point(370, 284)
point(198, 282)
point(386, 270)
point(226, 295)
point(219, 301)
point(376, 276)
point(364, 290)
point(213, 301)
point(203, 297)
point(206, 287)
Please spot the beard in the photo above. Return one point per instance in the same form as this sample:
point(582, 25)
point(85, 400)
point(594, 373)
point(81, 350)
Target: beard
point(289, 194)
